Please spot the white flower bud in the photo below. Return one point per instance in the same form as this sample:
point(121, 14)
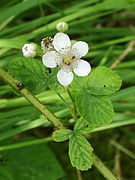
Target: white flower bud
point(33, 44)
point(29, 50)
point(62, 26)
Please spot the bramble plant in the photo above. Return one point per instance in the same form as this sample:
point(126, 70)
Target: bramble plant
point(63, 70)
point(67, 88)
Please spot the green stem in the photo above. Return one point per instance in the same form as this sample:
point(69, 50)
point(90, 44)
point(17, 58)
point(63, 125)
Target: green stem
point(26, 143)
point(66, 104)
point(63, 100)
point(32, 99)
point(114, 125)
point(79, 176)
point(103, 169)
point(74, 111)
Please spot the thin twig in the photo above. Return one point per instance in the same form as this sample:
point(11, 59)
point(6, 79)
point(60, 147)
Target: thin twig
point(104, 170)
point(74, 105)
point(79, 176)
point(123, 55)
point(66, 104)
point(123, 149)
point(117, 165)
point(32, 99)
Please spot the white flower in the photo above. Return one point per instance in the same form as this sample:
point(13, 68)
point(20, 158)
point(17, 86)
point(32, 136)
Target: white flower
point(67, 57)
point(29, 50)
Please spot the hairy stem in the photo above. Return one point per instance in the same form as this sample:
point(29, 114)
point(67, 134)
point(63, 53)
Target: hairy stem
point(103, 169)
point(32, 99)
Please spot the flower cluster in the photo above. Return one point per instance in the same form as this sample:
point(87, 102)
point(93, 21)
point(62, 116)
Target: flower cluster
point(59, 52)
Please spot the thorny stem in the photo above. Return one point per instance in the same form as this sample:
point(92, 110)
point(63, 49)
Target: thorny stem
point(51, 117)
point(123, 55)
point(32, 99)
point(103, 169)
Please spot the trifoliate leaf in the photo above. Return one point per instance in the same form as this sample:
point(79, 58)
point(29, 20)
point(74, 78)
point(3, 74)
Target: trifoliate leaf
point(103, 81)
point(96, 110)
point(80, 152)
point(62, 135)
point(30, 72)
point(82, 126)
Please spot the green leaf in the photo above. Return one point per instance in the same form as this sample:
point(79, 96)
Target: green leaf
point(97, 110)
point(89, 93)
point(53, 81)
point(82, 126)
point(62, 135)
point(80, 152)
point(103, 81)
point(78, 85)
point(31, 72)
point(30, 163)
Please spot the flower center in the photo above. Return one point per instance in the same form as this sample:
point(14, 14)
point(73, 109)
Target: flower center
point(68, 60)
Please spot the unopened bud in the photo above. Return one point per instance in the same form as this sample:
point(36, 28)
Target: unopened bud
point(62, 26)
point(33, 44)
point(29, 50)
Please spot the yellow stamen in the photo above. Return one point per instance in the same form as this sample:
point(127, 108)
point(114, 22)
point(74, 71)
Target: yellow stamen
point(68, 60)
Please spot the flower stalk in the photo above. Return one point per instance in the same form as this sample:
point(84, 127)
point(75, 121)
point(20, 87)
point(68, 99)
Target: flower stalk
point(74, 110)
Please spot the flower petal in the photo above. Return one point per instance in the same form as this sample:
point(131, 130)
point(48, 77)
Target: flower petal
point(65, 77)
point(82, 68)
point(28, 48)
point(26, 54)
point(80, 48)
point(61, 43)
point(51, 59)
